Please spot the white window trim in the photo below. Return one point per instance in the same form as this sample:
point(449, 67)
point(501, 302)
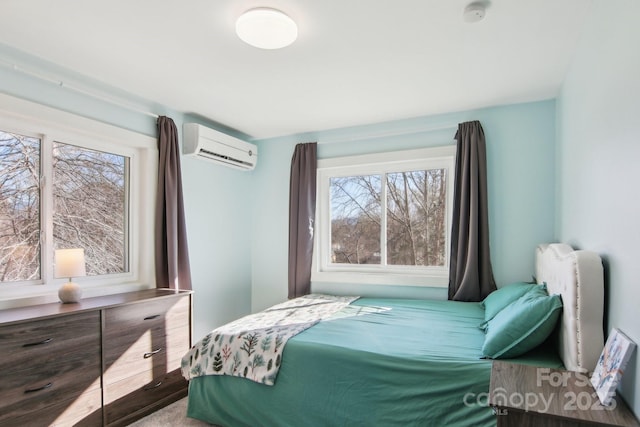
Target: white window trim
point(425, 158)
point(23, 117)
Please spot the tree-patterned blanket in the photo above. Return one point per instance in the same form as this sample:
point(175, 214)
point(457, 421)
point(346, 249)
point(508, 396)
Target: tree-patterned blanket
point(251, 347)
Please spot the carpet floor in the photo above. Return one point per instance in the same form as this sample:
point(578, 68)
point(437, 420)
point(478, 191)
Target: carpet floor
point(172, 415)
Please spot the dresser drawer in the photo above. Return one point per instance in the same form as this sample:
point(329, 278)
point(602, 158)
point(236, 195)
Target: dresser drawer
point(40, 342)
point(84, 410)
point(143, 381)
point(122, 401)
point(144, 337)
point(161, 314)
point(44, 386)
point(155, 350)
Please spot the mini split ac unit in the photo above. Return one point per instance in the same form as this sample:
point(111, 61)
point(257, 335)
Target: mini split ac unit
point(209, 144)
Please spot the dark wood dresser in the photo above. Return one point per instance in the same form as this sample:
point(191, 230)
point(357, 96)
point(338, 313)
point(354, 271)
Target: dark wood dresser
point(103, 361)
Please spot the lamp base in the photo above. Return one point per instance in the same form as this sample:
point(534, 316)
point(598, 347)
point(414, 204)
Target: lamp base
point(69, 292)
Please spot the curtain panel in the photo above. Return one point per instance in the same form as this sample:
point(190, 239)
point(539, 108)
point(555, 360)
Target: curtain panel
point(470, 272)
point(171, 251)
point(302, 211)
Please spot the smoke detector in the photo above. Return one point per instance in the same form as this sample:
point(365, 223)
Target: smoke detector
point(474, 12)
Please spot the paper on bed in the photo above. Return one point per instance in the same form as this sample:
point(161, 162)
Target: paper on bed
point(251, 347)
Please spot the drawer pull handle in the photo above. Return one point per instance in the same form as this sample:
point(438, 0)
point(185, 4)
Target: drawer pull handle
point(31, 344)
point(33, 390)
point(151, 387)
point(155, 316)
point(151, 353)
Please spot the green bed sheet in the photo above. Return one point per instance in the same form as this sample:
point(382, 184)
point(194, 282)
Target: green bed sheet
point(381, 362)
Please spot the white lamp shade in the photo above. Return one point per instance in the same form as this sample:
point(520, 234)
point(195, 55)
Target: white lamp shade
point(70, 263)
point(266, 28)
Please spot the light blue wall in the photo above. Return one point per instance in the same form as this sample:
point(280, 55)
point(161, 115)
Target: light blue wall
point(520, 146)
point(218, 211)
point(217, 200)
point(598, 200)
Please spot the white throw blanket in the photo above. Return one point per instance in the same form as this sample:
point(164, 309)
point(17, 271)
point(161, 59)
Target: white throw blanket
point(251, 347)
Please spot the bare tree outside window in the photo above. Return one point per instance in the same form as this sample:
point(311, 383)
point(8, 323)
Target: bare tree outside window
point(416, 203)
point(90, 207)
point(415, 209)
point(19, 208)
point(90, 192)
point(355, 219)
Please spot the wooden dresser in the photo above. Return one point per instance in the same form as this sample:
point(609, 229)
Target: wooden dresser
point(103, 361)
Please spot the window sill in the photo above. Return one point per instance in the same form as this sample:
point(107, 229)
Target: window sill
point(387, 279)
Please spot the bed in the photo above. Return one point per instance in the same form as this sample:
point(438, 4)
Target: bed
point(396, 362)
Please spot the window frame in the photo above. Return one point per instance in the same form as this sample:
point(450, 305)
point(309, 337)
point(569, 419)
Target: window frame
point(323, 270)
point(51, 125)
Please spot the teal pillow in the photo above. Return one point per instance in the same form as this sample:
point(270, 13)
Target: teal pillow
point(522, 325)
point(499, 299)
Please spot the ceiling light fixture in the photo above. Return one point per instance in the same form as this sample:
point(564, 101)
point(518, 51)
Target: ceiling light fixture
point(266, 28)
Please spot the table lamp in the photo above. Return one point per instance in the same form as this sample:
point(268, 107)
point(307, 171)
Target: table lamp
point(70, 263)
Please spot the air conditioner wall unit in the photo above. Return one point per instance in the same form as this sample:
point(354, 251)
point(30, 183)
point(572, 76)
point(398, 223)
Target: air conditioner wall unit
point(209, 144)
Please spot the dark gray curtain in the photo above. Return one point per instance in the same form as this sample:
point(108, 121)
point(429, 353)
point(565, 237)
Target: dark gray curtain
point(470, 273)
point(171, 252)
point(302, 211)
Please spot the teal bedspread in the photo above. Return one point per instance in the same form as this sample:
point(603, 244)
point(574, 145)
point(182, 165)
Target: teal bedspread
point(381, 362)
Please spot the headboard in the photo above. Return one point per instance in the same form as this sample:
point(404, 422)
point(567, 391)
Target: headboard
point(578, 277)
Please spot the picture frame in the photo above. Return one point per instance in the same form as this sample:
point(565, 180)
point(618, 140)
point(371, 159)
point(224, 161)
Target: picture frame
point(611, 364)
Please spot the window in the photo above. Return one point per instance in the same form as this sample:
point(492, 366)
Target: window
point(384, 218)
point(90, 206)
point(89, 201)
point(19, 207)
point(73, 184)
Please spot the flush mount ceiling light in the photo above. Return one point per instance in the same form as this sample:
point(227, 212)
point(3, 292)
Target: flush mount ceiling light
point(266, 28)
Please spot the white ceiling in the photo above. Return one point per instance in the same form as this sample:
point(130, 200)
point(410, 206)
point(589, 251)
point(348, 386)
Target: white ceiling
point(355, 61)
